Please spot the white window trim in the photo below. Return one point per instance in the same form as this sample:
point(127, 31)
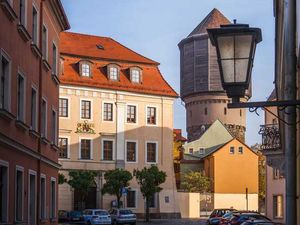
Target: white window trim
point(46, 57)
point(232, 153)
point(55, 141)
point(91, 153)
point(38, 22)
point(36, 107)
point(156, 116)
point(109, 73)
point(43, 176)
point(46, 118)
point(25, 14)
point(20, 73)
point(19, 168)
point(32, 172)
point(3, 54)
point(82, 73)
point(6, 164)
point(201, 151)
point(156, 155)
point(113, 149)
point(54, 43)
point(68, 147)
point(136, 200)
point(113, 113)
point(69, 107)
point(86, 99)
point(136, 113)
point(136, 150)
point(53, 179)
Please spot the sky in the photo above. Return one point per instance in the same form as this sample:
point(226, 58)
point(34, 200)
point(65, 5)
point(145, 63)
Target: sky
point(153, 28)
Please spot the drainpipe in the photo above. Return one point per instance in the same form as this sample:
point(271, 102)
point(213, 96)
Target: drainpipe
point(290, 112)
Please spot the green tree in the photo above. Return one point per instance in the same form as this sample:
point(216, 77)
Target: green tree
point(82, 181)
point(195, 181)
point(115, 180)
point(61, 178)
point(149, 180)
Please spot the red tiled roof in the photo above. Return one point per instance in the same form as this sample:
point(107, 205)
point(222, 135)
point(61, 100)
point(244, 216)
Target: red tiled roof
point(152, 80)
point(178, 135)
point(86, 45)
point(214, 19)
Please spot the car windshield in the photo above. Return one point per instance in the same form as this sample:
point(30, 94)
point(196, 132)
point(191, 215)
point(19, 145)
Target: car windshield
point(254, 216)
point(126, 211)
point(227, 215)
point(101, 213)
point(75, 213)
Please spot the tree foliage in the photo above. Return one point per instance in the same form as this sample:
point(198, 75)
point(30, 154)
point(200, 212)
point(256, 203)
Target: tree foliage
point(61, 178)
point(149, 180)
point(116, 180)
point(195, 181)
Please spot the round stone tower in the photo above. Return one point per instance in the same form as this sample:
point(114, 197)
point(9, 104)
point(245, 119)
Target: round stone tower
point(200, 83)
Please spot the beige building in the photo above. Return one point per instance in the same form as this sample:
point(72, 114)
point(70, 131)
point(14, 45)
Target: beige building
point(116, 111)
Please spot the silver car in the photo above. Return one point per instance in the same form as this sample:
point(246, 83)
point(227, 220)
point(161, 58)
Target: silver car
point(96, 216)
point(122, 216)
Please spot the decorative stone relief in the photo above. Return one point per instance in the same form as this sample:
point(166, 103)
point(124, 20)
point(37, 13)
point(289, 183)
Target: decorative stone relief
point(85, 127)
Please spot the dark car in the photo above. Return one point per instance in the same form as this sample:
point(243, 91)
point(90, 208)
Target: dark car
point(75, 216)
point(225, 219)
point(259, 222)
point(62, 216)
point(238, 219)
point(215, 216)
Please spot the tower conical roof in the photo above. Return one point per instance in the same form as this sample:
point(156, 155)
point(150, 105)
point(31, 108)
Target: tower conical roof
point(214, 19)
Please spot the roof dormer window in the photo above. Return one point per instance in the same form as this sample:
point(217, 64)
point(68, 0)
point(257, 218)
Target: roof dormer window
point(135, 75)
point(85, 70)
point(113, 72)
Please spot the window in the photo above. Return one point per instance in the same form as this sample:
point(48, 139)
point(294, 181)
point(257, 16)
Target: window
point(191, 150)
point(32, 198)
point(33, 121)
point(151, 115)
point(131, 114)
point(108, 112)
point(34, 26)
point(241, 112)
point(3, 192)
point(5, 68)
point(22, 12)
point(225, 111)
point(63, 147)
point(44, 119)
point(45, 42)
point(85, 109)
point(113, 73)
point(135, 76)
point(277, 174)
point(54, 59)
point(63, 107)
point(278, 206)
point(107, 150)
point(53, 198)
point(43, 197)
point(152, 201)
point(85, 148)
point(131, 153)
point(21, 98)
point(205, 111)
point(151, 152)
point(85, 70)
point(201, 151)
point(54, 127)
point(19, 195)
point(241, 150)
point(131, 199)
point(232, 150)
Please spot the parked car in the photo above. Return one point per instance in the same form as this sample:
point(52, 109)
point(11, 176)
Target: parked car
point(238, 219)
point(225, 219)
point(122, 216)
point(215, 216)
point(62, 216)
point(74, 216)
point(96, 216)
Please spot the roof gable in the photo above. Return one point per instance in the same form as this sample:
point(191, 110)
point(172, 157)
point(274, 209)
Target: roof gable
point(214, 19)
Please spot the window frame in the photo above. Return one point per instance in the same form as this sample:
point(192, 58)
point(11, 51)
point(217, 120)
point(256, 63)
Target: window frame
point(113, 149)
point(6, 164)
point(33, 173)
point(23, 97)
point(44, 133)
point(37, 25)
point(275, 207)
point(91, 148)
point(136, 114)
point(139, 70)
point(156, 152)
point(52, 213)
point(20, 169)
point(110, 67)
point(68, 147)
point(113, 111)
point(156, 115)
point(135, 198)
point(230, 150)
point(201, 151)
point(68, 107)
point(6, 105)
point(241, 150)
point(35, 128)
point(54, 66)
point(83, 70)
point(191, 150)
point(46, 56)
point(43, 176)
point(24, 23)
point(54, 126)
point(136, 150)
point(91, 108)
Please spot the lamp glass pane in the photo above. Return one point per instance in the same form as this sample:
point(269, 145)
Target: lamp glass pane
point(241, 66)
point(228, 70)
point(243, 46)
point(225, 44)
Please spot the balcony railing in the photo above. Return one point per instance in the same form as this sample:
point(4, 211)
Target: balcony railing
point(270, 137)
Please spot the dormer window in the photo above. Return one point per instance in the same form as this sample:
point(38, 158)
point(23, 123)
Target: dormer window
point(113, 73)
point(135, 75)
point(85, 70)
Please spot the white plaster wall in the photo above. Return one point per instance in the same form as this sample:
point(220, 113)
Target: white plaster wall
point(236, 201)
point(189, 204)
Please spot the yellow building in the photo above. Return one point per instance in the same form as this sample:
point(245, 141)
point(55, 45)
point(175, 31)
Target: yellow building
point(116, 111)
point(231, 165)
